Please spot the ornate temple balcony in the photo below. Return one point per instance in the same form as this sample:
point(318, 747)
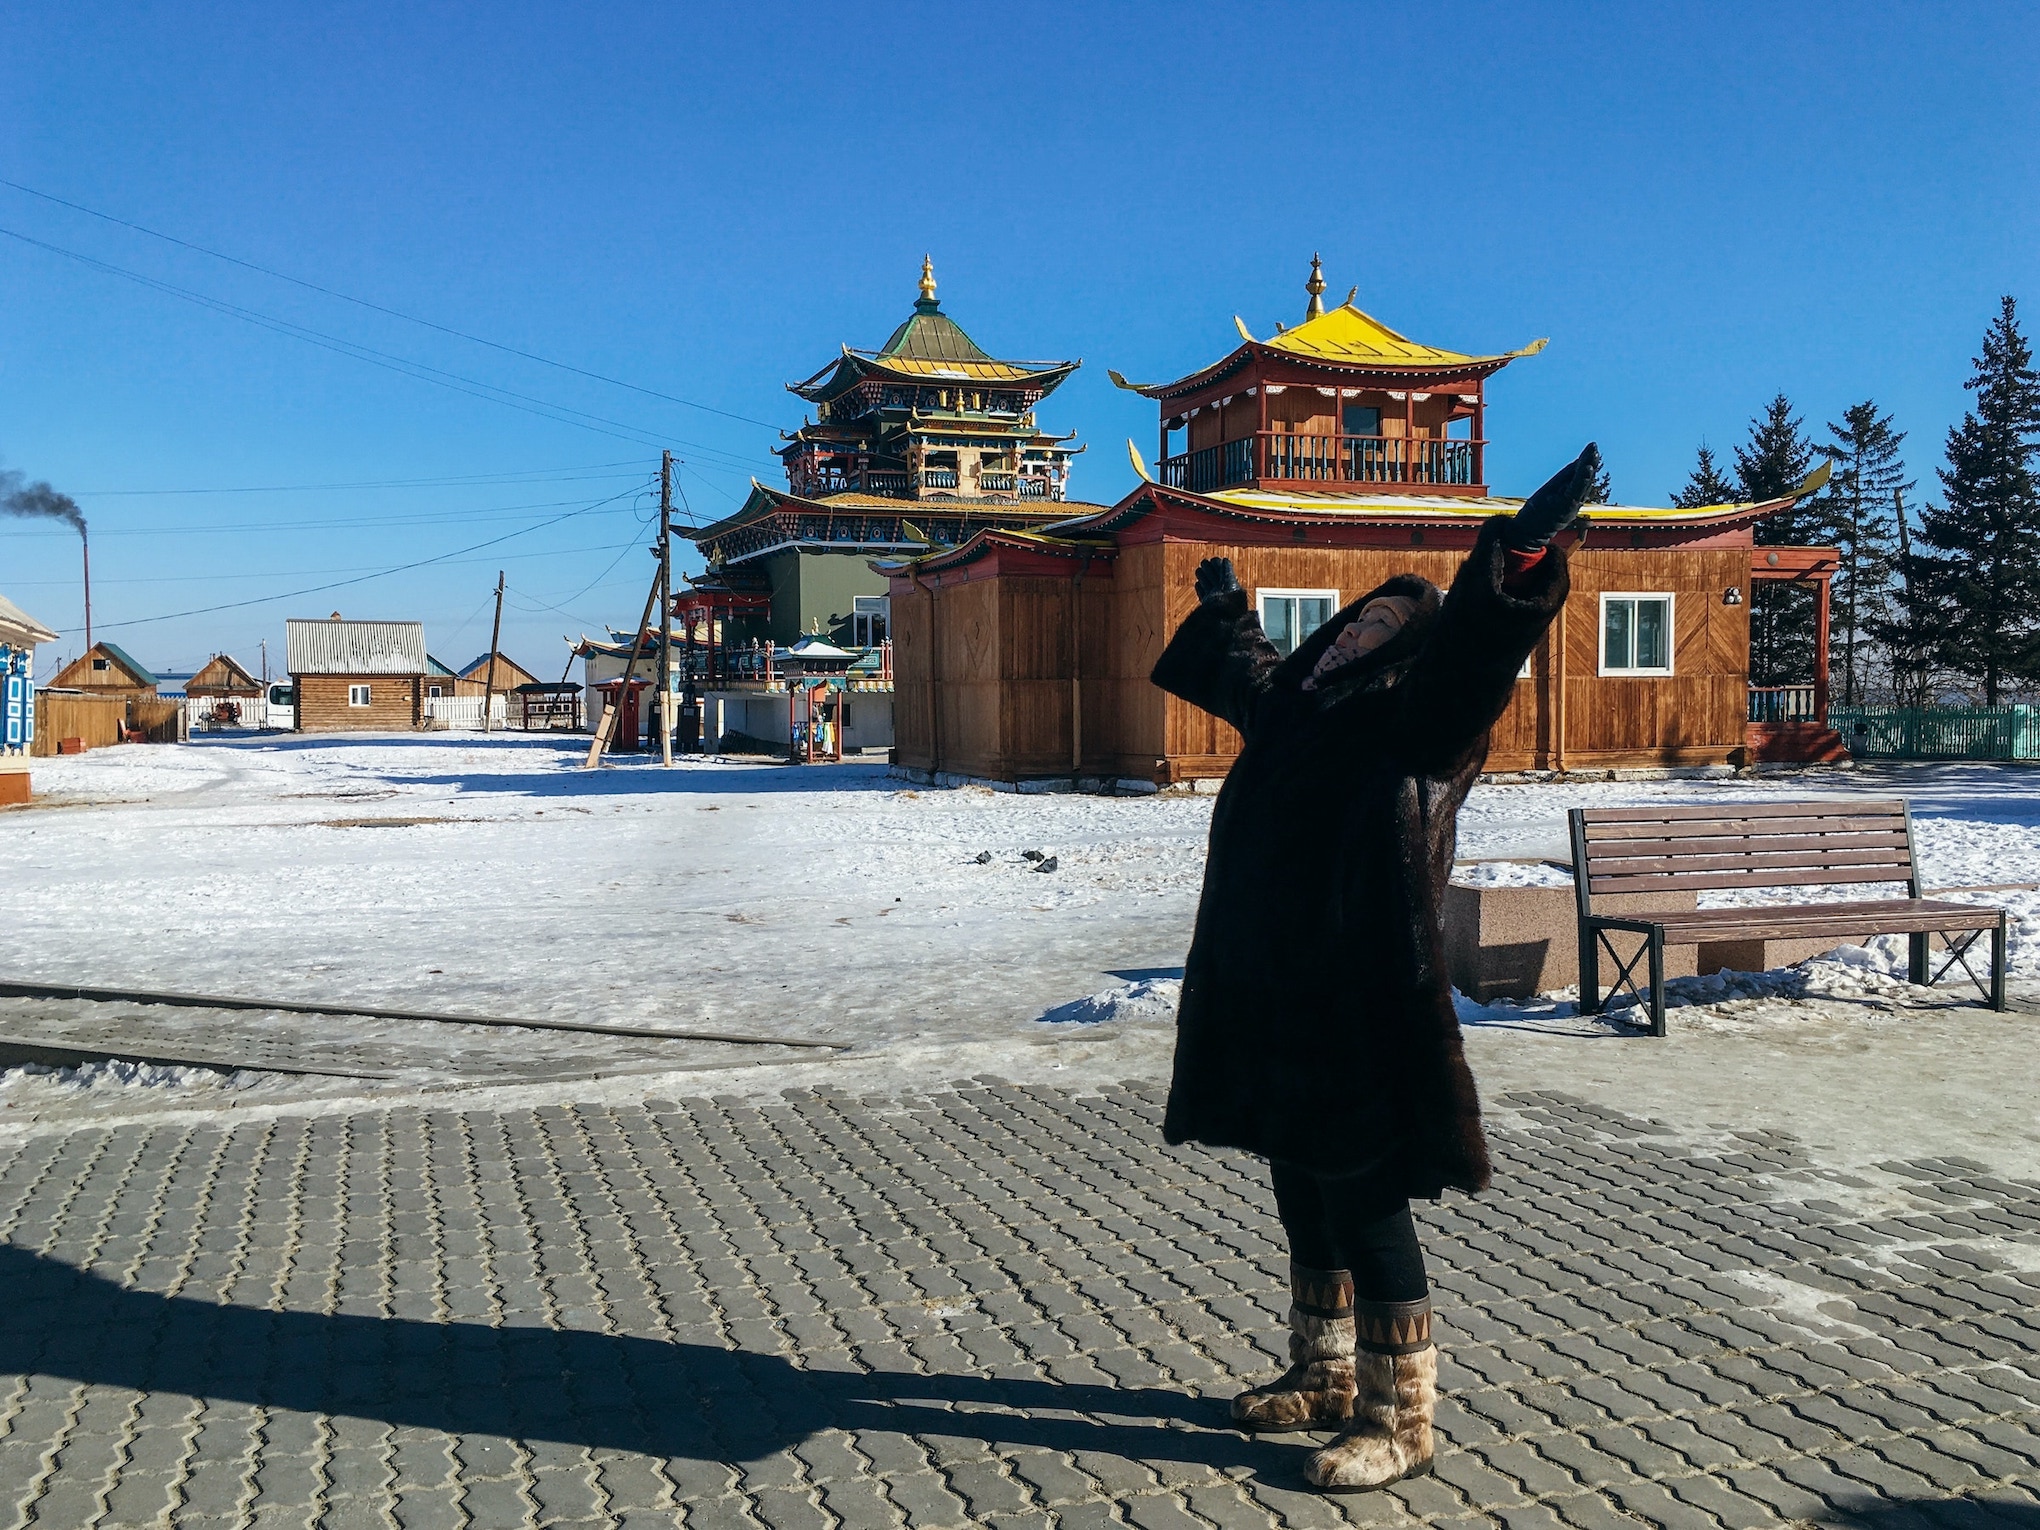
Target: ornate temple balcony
point(897, 484)
point(1272, 456)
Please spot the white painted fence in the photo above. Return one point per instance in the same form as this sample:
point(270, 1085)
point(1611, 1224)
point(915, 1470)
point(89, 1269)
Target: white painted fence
point(245, 714)
point(464, 713)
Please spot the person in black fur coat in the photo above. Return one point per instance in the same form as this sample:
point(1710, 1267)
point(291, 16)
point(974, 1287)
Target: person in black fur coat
point(1316, 1026)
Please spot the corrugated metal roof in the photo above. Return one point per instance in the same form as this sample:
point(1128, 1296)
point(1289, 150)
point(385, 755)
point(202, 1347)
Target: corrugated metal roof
point(354, 648)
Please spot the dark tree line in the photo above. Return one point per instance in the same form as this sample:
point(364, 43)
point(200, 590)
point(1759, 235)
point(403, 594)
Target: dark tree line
point(1929, 600)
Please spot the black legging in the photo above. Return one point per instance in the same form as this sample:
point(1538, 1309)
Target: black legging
point(1347, 1223)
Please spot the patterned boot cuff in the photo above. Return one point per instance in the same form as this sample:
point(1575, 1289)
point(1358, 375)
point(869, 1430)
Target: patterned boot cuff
point(1321, 1293)
point(1392, 1328)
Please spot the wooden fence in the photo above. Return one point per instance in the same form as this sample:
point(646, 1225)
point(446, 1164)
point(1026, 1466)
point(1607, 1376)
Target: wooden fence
point(98, 720)
point(1939, 733)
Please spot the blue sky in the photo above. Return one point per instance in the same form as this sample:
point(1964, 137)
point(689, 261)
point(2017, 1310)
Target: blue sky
point(1700, 205)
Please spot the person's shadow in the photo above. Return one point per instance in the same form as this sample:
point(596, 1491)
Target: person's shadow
point(567, 1386)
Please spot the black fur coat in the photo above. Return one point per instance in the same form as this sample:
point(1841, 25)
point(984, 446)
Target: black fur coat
point(1316, 1023)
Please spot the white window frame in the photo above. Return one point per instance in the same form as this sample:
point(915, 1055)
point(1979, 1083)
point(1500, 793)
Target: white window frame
point(1671, 633)
point(1263, 596)
point(357, 695)
point(862, 609)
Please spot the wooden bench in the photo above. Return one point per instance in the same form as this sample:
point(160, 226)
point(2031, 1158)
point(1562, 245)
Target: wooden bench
point(1669, 852)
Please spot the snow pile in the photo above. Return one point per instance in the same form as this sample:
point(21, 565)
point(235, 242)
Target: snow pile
point(1510, 873)
point(1547, 1014)
point(1147, 999)
point(99, 1077)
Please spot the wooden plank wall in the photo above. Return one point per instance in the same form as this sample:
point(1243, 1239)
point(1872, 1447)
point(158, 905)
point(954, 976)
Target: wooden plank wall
point(161, 722)
point(1003, 655)
point(1194, 742)
point(395, 703)
point(913, 725)
point(1695, 715)
point(98, 720)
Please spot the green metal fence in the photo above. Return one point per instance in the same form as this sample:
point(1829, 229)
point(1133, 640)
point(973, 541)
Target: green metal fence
point(1939, 733)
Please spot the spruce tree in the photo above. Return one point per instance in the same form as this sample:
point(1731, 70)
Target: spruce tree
point(1772, 465)
point(1983, 561)
point(1706, 486)
point(1599, 491)
point(1910, 632)
point(1868, 480)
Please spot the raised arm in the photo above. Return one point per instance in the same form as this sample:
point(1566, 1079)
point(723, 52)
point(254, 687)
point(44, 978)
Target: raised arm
point(1506, 593)
point(1219, 659)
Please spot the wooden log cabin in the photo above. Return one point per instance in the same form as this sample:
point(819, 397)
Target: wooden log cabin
point(353, 676)
point(1322, 462)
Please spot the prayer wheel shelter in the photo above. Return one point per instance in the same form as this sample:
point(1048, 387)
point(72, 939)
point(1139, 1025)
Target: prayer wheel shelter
point(1025, 654)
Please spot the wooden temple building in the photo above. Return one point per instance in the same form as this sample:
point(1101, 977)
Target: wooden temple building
point(921, 443)
point(1323, 460)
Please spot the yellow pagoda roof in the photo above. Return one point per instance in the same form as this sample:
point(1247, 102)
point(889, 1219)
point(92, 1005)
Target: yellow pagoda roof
point(1347, 335)
point(1345, 338)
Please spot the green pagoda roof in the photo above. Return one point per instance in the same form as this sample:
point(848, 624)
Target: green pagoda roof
point(929, 347)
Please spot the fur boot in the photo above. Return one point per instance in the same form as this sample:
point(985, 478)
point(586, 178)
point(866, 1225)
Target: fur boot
point(1390, 1436)
point(1316, 1392)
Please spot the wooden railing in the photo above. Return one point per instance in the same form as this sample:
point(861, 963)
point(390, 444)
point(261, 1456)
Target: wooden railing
point(894, 484)
point(1783, 704)
point(1296, 456)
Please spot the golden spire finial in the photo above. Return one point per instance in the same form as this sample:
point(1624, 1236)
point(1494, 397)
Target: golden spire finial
point(1316, 288)
point(927, 278)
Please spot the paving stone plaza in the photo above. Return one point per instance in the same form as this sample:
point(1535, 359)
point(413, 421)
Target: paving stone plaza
point(981, 1305)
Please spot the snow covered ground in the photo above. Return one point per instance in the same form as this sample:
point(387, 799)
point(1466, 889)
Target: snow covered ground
point(494, 876)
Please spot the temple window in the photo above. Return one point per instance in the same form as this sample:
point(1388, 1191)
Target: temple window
point(1362, 420)
point(1290, 616)
point(1636, 634)
point(871, 619)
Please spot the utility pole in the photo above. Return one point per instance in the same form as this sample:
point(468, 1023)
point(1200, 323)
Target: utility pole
point(265, 662)
point(607, 725)
point(666, 609)
point(495, 639)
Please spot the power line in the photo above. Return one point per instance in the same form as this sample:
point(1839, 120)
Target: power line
point(423, 518)
point(527, 403)
point(510, 350)
point(339, 584)
point(543, 475)
point(294, 573)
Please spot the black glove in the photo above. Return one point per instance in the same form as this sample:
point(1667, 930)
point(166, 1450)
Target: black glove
point(1553, 508)
point(1215, 576)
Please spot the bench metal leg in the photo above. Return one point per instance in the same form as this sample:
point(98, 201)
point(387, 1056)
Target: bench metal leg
point(1999, 950)
point(1916, 958)
point(1657, 981)
point(1590, 971)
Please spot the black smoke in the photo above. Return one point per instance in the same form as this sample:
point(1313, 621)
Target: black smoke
point(38, 500)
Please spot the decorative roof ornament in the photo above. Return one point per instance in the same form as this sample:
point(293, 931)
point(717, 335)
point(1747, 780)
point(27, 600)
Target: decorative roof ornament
point(926, 302)
point(1316, 288)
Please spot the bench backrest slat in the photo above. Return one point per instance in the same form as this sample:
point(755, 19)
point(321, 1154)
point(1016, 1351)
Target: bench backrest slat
point(1837, 842)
